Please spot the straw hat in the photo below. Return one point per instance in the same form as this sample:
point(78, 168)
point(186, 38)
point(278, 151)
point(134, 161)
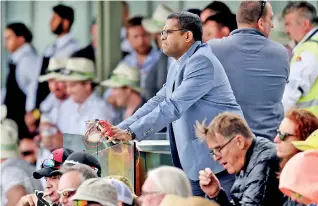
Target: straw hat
point(55, 66)
point(78, 69)
point(122, 76)
point(309, 144)
point(158, 20)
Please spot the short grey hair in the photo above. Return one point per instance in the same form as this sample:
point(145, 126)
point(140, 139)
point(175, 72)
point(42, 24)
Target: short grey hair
point(171, 180)
point(304, 8)
point(189, 22)
point(85, 171)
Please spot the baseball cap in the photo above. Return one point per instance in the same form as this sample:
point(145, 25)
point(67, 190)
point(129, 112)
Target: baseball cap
point(311, 143)
point(97, 190)
point(123, 192)
point(83, 158)
point(52, 164)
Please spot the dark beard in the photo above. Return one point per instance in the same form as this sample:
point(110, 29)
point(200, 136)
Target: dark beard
point(59, 29)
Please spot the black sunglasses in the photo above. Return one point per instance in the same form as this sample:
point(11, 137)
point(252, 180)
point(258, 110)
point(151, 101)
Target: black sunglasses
point(26, 153)
point(283, 135)
point(263, 3)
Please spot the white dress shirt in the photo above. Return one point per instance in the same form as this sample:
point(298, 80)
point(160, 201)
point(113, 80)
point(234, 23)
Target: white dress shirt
point(64, 46)
point(51, 107)
point(26, 59)
point(303, 74)
point(73, 116)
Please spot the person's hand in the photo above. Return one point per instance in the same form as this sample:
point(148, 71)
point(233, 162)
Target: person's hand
point(118, 134)
point(28, 200)
point(30, 121)
point(209, 183)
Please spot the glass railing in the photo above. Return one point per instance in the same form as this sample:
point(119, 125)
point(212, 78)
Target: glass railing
point(132, 159)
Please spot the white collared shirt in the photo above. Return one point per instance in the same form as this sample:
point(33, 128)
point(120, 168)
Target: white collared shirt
point(64, 46)
point(26, 59)
point(51, 107)
point(73, 115)
point(303, 74)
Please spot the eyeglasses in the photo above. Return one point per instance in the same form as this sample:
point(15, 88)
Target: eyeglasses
point(283, 135)
point(67, 193)
point(263, 3)
point(26, 153)
point(165, 33)
point(49, 163)
point(217, 152)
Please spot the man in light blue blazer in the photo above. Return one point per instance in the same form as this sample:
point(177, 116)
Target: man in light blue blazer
point(197, 88)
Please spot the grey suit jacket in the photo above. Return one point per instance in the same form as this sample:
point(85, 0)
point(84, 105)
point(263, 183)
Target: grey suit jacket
point(197, 88)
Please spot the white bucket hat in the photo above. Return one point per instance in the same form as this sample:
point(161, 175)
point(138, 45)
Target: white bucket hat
point(78, 69)
point(122, 76)
point(158, 20)
point(55, 66)
point(9, 138)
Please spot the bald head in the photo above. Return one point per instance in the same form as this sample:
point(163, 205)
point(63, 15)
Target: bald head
point(249, 12)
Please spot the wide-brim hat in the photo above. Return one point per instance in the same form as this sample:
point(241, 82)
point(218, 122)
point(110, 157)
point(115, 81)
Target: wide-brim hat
point(124, 75)
point(54, 67)
point(78, 69)
point(158, 20)
point(311, 143)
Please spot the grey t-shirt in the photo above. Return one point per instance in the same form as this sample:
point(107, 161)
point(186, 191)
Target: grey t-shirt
point(17, 172)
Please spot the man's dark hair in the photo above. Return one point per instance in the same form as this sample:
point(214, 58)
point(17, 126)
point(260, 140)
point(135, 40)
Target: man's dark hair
point(19, 29)
point(218, 7)
point(249, 12)
point(224, 20)
point(135, 21)
point(304, 8)
point(65, 12)
point(189, 22)
point(195, 11)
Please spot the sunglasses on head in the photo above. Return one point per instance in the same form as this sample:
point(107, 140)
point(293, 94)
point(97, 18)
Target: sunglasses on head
point(67, 192)
point(49, 163)
point(283, 135)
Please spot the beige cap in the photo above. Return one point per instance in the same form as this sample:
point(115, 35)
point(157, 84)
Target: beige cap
point(124, 75)
point(97, 190)
point(78, 69)
point(55, 66)
point(158, 20)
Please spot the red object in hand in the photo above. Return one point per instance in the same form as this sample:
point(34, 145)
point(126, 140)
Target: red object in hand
point(103, 124)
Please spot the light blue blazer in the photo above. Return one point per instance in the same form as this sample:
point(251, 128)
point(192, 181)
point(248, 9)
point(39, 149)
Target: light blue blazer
point(197, 88)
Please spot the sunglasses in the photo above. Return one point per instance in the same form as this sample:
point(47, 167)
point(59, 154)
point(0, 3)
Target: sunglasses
point(67, 193)
point(263, 3)
point(27, 153)
point(49, 163)
point(83, 203)
point(283, 135)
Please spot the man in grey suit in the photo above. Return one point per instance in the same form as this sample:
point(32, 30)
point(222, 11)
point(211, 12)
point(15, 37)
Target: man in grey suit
point(257, 67)
point(197, 88)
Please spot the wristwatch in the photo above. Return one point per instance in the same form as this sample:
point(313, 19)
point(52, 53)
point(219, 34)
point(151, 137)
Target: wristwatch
point(131, 133)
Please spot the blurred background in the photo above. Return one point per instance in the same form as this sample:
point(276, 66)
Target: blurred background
point(36, 15)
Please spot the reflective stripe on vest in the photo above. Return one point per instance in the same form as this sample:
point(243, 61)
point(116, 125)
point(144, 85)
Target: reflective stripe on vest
point(308, 101)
